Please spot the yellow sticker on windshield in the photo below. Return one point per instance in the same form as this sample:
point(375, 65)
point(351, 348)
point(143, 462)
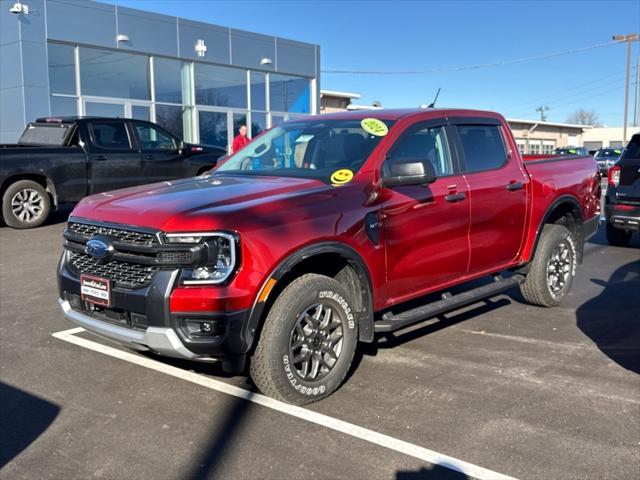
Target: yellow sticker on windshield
point(374, 127)
point(341, 176)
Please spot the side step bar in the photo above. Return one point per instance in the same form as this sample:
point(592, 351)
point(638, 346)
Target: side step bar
point(391, 323)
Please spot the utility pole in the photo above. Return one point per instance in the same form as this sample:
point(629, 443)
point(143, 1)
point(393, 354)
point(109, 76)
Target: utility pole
point(637, 93)
point(630, 38)
point(542, 109)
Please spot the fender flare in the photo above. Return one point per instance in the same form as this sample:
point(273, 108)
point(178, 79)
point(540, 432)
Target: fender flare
point(364, 315)
point(556, 203)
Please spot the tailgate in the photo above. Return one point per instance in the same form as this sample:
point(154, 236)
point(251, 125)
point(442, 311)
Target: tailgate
point(629, 186)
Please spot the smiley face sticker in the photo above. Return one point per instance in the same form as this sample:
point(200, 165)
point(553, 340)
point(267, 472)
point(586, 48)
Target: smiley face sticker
point(374, 127)
point(342, 176)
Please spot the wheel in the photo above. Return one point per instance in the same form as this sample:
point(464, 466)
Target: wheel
point(307, 342)
point(617, 237)
point(25, 204)
point(553, 267)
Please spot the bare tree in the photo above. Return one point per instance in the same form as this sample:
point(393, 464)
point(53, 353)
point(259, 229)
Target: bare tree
point(583, 117)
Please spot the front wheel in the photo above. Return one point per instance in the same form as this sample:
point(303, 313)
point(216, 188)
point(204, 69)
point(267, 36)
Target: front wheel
point(617, 237)
point(307, 342)
point(552, 269)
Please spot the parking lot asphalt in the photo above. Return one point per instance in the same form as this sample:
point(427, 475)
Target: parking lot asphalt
point(520, 390)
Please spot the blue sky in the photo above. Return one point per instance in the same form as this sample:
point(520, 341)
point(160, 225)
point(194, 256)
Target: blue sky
point(409, 35)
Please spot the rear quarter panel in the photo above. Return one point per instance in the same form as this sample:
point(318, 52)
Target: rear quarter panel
point(65, 167)
point(556, 179)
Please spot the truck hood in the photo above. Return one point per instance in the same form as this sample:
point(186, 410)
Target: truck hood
point(200, 203)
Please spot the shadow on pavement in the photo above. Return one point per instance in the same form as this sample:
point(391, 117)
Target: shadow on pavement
point(223, 440)
point(436, 472)
point(23, 418)
point(612, 319)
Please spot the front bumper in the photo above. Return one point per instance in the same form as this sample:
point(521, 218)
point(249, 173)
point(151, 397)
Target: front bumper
point(142, 319)
point(162, 340)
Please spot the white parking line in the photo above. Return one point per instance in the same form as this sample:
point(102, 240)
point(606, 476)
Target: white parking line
point(326, 421)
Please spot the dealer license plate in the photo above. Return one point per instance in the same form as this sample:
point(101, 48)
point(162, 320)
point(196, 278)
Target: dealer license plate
point(95, 290)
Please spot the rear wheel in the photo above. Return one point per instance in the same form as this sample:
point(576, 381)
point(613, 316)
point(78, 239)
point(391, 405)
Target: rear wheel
point(25, 204)
point(307, 342)
point(552, 269)
point(617, 237)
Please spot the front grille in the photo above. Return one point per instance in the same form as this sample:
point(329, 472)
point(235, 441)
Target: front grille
point(121, 235)
point(122, 274)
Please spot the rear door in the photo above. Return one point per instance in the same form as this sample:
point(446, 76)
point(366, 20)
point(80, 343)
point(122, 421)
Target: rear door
point(114, 161)
point(161, 156)
point(498, 189)
point(425, 226)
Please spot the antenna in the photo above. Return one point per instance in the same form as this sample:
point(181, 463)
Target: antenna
point(433, 104)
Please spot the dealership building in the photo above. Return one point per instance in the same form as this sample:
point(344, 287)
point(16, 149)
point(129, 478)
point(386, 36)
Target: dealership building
point(198, 80)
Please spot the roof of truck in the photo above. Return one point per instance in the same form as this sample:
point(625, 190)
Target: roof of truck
point(397, 113)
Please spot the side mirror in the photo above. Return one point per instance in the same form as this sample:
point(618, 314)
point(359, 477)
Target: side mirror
point(408, 171)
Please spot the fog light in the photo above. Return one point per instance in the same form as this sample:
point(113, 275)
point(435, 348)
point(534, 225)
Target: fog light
point(202, 328)
point(206, 327)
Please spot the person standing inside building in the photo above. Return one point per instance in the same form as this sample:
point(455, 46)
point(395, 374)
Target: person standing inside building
point(241, 140)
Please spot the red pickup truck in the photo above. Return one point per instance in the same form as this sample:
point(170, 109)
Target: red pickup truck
point(322, 232)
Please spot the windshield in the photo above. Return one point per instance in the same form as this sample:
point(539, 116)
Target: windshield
point(328, 150)
point(608, 153)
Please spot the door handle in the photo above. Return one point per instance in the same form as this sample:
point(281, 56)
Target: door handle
point(455, 197)
point(100, 158)
point(513, 186)
point(149, 157)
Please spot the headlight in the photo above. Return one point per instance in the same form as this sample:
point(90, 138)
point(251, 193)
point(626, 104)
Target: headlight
point(221, 256)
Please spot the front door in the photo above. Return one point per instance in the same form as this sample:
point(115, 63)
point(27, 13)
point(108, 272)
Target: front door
point(113, 160)
point(498, 193)
point(425, 227)
point(161, 157)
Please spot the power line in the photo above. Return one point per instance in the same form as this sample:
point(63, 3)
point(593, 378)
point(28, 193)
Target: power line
point(579, 95)
point(470, 67)
point(572, 90)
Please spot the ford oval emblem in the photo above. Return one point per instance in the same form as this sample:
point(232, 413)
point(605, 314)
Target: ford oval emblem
point(98, 248)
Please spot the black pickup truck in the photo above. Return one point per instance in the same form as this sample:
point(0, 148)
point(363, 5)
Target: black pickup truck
point(62, 160)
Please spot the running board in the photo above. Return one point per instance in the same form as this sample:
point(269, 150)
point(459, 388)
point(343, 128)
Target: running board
point(391, 323)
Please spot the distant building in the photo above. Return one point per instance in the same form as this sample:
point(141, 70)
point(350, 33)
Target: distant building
point(603, 137)
point(333, 101)
point(536, 137)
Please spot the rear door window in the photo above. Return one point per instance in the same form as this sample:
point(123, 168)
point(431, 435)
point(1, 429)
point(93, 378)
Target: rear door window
point(111, 135)
point(483, 147)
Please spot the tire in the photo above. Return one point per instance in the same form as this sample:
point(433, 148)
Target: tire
point(556, 252)
point(291, 331)
point(25, 204)
point(617, 237)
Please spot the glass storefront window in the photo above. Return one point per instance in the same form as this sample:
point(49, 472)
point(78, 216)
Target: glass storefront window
point(140, 112)
point(99, 109)
point(258, 123)
point(220, 86)
point(258, 91)
point(170, 117)
point(172, 81)
point(276, 119)
point(63, 106)
point(105, 73)
point(62, 74)
point(213, 128)
point(289, 94)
